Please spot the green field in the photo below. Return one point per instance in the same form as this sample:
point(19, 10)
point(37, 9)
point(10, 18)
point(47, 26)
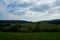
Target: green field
point(30, 36)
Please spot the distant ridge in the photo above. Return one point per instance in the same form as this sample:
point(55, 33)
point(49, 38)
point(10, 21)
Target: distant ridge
point(55, 21)
point(13, 21)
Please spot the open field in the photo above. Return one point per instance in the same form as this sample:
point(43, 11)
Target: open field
point(30, 36)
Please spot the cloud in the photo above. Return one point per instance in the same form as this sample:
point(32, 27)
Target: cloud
point(41, 8)
point(24, 5)
point(30, 10)
point(57, 3)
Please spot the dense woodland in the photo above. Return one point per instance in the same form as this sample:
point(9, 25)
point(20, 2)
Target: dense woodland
point(30, 27)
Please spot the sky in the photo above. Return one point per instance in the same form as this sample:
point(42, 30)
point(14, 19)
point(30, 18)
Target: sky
point(29, 10)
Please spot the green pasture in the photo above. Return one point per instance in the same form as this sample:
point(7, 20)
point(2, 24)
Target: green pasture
point(30, 36)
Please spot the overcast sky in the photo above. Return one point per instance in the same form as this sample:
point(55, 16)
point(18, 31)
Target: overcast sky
point(29, 10)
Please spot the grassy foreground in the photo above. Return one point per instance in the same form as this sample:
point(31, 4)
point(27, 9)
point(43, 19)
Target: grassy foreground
point(30, 36)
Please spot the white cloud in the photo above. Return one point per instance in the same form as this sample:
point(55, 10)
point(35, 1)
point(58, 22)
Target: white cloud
point(24, 13)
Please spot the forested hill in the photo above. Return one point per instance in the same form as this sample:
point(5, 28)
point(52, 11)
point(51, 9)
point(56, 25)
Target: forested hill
point(57, 21)
point(14, 21)
point(25, 26)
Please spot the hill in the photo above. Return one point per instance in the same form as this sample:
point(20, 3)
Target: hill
point(55, 21)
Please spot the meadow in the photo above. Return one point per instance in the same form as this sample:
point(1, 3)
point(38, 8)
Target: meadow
point(29, 36)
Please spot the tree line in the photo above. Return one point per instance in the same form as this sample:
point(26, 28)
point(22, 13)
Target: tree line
point(29, 27)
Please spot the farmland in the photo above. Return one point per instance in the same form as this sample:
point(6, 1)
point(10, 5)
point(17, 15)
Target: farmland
point(30, 36)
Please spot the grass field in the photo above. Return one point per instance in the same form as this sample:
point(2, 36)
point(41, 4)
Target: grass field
point(30, 36)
